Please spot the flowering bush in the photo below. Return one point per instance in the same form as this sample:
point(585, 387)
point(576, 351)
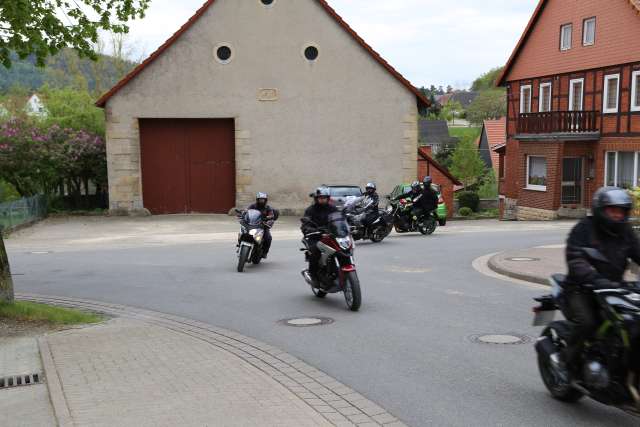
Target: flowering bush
point(635, 194)
point(39, 160)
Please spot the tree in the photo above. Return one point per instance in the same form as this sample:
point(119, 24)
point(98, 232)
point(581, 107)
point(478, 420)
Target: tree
point(444, 155)
point(450, 110)
point(490, 104)
point(466, 164)
point(73, 109)
point(487, 80)
point(6, 283)
point(44, 27)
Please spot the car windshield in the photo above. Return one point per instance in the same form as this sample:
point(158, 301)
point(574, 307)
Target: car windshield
point(338, 226)
point(345, 191)
point(253, 217)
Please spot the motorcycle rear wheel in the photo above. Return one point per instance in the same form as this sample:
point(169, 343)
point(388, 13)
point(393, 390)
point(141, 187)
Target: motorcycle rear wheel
point(242, 259)
point(379, 234)
point(559, 391)
point(352, 294)
point(428, 226)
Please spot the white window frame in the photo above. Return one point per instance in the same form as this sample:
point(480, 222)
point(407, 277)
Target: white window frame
point(584, 32)
point(562, 38)
point(606, 94)
point(522, 89)
point(636, 158)
point(542, 86)
point(532, 186)
point(571, 93)
point(634, 90)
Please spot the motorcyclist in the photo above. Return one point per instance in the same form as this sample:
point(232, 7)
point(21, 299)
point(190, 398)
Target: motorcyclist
point(316, 218)
point(608, 231)
point(371, 204)
point(425, 200)
point(269, 216)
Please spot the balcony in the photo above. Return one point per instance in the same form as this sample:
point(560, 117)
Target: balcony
point(560, 125)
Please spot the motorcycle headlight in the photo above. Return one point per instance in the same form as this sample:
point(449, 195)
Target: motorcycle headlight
point(344, 242)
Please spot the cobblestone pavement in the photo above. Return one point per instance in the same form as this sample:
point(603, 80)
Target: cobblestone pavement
point(146, 368)
point(27, 405)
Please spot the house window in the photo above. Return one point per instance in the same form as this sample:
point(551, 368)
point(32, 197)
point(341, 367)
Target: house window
point(545, 97)
point(566, 32)
point(576, 92)
point(611, 89)
point(536, 173)
point(267, 2)
point(635, 91)
point(621, 169)
point(311, 53)
point(589, 32)
point(223, 53)
point(525, 99)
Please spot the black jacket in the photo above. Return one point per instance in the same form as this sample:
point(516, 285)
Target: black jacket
point(372, 201)
point(316, 216)
point(617, 250)
point(268, 213)
point(428, 199)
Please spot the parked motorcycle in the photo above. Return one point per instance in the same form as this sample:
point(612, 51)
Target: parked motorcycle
point(403, 222)
point(356, 211)
point(609, 367)
point(337, 271)
point(250, 239)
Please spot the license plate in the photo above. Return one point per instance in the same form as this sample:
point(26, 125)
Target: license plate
point(543, 318)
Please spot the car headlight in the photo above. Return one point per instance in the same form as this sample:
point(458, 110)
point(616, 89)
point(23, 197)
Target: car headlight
point(344, 242)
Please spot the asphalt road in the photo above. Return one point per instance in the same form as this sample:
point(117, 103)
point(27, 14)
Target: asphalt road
point(408, 349)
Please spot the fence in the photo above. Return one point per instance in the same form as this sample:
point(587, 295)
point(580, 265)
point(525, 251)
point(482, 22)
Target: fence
point(23, 211)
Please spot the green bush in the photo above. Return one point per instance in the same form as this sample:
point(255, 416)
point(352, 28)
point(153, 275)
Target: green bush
point(465, 211)
point(469, 199)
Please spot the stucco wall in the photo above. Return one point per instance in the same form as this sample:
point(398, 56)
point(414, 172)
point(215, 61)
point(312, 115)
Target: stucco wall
point(342, 119)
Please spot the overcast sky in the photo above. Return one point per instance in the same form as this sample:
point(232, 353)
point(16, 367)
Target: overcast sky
point(429, 41)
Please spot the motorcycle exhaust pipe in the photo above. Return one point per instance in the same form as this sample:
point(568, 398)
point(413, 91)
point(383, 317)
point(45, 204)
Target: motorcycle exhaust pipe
point(634, 390)
point(545, 347)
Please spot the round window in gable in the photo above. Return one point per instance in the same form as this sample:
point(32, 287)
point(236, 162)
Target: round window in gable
point(223, 53)
point(311, 53)
point(268, 2)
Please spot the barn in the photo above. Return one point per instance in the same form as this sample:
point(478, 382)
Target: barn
point(257, 95)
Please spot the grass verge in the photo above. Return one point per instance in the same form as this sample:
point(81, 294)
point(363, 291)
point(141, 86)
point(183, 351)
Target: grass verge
point(32, 312)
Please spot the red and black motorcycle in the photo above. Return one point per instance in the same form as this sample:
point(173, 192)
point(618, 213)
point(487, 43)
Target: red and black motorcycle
point(337, 270)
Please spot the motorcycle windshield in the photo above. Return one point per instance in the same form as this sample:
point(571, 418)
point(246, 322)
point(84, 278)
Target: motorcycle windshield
point(338, 226)
point(253, 218)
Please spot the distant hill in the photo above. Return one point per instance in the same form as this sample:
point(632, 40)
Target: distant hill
point(65, 69)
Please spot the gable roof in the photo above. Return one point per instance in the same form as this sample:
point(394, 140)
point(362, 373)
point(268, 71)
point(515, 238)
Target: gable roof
point(534, 19)
point(435, 132)
point(425, 156)
point(496, 131)
point(422, 100)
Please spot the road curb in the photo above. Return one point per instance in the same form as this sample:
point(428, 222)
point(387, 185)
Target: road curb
point(337, 403)
point(54, 385)
point(495, 266)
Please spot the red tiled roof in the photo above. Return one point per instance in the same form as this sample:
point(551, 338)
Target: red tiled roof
point(527, 31)
point(496, 135)
point(423, 153)
point(422, 100)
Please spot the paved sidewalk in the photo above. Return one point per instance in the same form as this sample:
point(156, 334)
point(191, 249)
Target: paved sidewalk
point(534, 264)
point(144, 368)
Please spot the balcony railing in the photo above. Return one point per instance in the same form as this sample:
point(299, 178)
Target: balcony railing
point(558, 122)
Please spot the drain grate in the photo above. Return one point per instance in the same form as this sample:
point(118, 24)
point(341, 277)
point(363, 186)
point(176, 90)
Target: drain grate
point(20, 380)
point(500, 339)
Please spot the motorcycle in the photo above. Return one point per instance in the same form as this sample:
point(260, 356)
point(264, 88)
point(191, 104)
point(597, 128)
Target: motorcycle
point(609, 367)
point(356, 211)
point(403, 222)
point(250, 238)
point(337, 271)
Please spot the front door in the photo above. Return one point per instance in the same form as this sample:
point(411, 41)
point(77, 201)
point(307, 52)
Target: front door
point(572, 181)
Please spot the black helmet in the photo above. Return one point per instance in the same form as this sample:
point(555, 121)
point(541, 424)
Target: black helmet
point(427, 181)
point(371, 186)
point(323, 192)
point(415, 185)
point(611, 197)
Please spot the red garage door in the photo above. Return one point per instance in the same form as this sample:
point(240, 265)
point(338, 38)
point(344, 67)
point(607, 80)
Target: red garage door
point(188, 165)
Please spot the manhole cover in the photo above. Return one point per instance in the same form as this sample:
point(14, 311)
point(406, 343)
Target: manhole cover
point(523, 259)
point(303, 322)
point(500, 339)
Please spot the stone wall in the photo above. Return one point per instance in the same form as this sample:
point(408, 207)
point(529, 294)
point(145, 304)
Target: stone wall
point(533, 214)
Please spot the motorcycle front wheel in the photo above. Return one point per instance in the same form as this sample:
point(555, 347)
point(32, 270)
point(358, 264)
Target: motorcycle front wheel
point(352, 294)
point(243, 257)
point(428, 227)
point(558, 389)
point(379, 234)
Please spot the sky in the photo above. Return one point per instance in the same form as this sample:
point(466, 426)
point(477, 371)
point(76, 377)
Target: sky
point(439, 42)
